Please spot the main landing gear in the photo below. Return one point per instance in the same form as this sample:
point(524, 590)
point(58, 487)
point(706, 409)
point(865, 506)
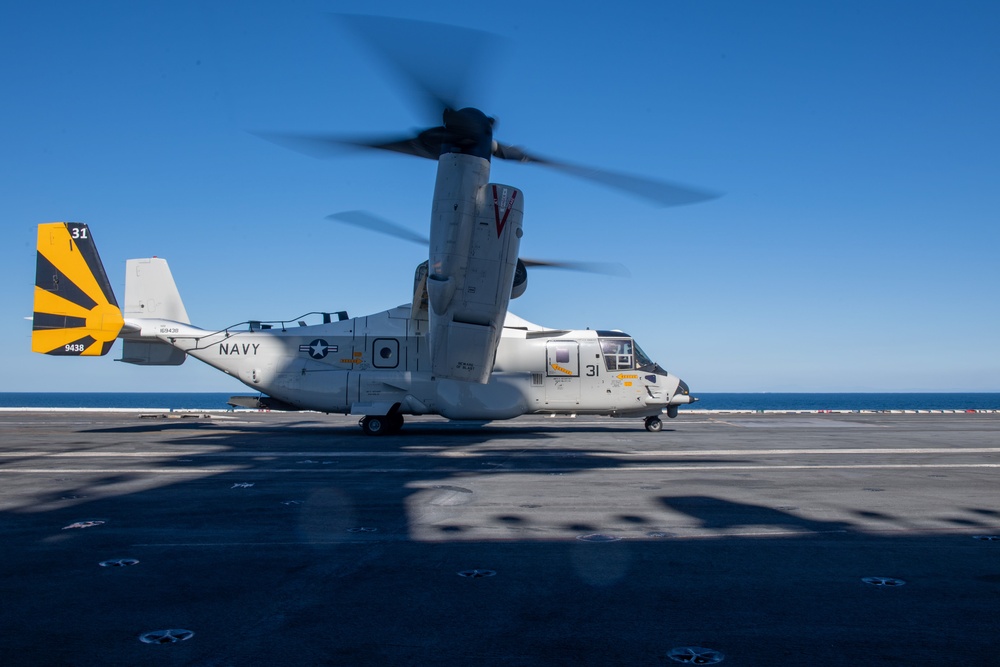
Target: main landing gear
point(381, 425)
point(653, 424)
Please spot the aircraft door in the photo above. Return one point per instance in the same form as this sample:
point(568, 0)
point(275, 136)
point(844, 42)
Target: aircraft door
point(562, 358)
point(562, 370)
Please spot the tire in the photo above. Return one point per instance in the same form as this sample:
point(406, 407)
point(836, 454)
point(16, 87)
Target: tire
point(653, 424)
point(374, 425)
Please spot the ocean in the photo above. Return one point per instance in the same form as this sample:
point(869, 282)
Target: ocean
point(816, 402)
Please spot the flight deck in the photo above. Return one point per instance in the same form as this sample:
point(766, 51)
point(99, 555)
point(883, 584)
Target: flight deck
point(265, 538)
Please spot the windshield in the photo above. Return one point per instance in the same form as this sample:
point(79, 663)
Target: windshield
point(641, 360)
point(623, 354)
point(617, 353)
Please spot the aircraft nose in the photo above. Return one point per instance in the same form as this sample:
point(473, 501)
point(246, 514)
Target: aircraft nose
point(683, 394)
point(681, 397)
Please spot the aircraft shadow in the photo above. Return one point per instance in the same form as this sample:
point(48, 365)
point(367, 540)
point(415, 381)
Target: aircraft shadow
point(351, 553)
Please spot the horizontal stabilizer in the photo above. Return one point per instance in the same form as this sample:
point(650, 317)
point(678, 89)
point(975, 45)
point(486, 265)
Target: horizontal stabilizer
point(75, 310)
point(151, 353)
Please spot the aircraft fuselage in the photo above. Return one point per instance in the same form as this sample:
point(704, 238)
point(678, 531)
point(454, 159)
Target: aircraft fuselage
point(380, 363)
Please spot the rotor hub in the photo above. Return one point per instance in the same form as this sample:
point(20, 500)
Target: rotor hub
point(468, 131)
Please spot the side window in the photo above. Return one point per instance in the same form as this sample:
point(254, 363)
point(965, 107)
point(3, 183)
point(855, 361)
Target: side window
point(617, 353)
point(562, 358)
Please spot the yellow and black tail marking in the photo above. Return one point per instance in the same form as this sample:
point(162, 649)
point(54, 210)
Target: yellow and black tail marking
point(76, 313)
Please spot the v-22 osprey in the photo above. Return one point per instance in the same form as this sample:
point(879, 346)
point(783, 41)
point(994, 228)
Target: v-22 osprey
point(490, 364)
point(454, 351)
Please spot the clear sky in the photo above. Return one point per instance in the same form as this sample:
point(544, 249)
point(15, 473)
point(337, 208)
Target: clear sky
point(856, 247)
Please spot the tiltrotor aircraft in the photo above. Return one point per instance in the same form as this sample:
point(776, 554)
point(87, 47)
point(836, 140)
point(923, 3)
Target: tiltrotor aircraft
point(454, 351)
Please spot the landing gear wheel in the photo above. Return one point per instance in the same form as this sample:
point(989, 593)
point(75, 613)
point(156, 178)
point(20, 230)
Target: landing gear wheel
point(379, 425)
point(653, 424)
point(374, 425)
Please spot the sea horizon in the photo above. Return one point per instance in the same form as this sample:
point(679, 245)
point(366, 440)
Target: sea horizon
point(711, 401)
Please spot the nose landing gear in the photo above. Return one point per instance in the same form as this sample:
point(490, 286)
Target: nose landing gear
point(653, 424)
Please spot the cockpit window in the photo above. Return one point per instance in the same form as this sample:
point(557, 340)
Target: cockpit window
point(641, 360)
point(623, 354)
point(617, 353)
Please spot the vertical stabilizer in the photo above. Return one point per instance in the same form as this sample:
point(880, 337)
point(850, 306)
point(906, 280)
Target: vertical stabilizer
point(150, 291)
point(75, 311)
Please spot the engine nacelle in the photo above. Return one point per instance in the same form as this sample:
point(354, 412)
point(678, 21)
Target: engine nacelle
point(475, 239)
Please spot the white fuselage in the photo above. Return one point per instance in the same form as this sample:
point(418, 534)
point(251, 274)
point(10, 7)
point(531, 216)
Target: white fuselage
point(380, 363)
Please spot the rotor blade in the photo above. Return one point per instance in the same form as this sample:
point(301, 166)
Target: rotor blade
point(418, 146)
point(439, 63)
point(603, 268)
point(328, 145)
point(663, 193)
point(374, 223)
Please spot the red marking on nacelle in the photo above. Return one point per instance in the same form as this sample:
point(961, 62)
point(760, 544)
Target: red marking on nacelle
point(502, 222)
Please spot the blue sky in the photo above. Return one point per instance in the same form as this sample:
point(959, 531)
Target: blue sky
point(857, 144)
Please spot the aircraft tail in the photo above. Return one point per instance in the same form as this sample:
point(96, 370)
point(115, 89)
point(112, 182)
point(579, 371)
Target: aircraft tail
point(150, 292)
point(75, 310)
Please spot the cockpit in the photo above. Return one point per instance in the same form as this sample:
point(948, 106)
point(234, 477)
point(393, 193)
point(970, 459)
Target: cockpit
point(622, 353)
